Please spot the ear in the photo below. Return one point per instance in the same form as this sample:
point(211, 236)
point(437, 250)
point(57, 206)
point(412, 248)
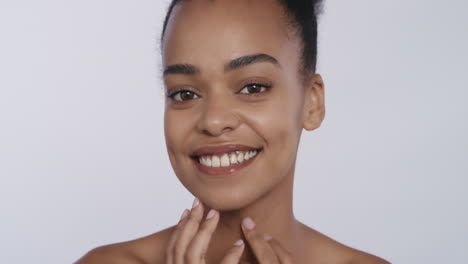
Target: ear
point(314, 104)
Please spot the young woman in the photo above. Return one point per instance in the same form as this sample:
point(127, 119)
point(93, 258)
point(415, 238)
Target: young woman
point(241, 87)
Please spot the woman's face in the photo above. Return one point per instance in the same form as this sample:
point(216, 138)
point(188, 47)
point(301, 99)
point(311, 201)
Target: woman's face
point(232, 69)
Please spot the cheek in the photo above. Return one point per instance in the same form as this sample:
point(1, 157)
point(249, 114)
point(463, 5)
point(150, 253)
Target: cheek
point(280, 125)
point(171, 137)
point(176, 127)
point(277, 123)
point(283, 145)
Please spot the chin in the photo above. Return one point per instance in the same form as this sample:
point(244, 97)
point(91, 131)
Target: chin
point(226, 205)
point(234, 191)
point(230, 198)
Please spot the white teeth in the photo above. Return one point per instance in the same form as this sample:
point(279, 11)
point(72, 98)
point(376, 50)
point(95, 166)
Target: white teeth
point(225, 160)
point(233, 159)
point(240, 157)
point(215, 161)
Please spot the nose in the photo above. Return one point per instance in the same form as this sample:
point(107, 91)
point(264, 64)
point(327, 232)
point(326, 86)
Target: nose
point(217, 117)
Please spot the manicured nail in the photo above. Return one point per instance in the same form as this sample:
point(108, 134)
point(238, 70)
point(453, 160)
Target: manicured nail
point(196, 202)
point(267, 237)
point(210, 214)
point(248, 223)
point(184, 214)
point(239, 242)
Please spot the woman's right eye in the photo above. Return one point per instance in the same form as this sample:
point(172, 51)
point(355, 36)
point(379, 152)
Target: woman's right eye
point(183, 95)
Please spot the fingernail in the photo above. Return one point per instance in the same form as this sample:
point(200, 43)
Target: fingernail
point(196, 202)
point(239, 242)
point(210, 214)
point(184, 214)
point(267, 237)
point(248, 223)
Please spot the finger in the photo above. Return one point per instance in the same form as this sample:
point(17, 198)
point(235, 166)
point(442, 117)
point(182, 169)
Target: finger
point(283, 254)
point(234, 254)
point(199, 245)
point(261, 248)
point(173, 239)
point(188, 231)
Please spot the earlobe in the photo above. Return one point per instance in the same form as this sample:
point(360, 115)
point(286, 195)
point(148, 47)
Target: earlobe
point(314, 105)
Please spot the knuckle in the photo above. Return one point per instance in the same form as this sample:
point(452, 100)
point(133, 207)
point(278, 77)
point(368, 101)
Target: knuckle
point(192, 220)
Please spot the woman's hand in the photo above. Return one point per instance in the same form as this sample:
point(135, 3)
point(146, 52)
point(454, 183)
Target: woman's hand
point(189, 241)
point(265, 248)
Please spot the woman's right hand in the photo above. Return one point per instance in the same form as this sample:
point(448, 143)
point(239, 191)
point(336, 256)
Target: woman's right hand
point(191, 237)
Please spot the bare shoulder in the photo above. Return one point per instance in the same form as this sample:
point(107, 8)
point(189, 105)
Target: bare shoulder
point(328, 250)
point(360, 257)
point(145, 250)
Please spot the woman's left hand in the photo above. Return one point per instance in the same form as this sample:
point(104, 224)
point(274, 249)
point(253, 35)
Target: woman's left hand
point(266, 249)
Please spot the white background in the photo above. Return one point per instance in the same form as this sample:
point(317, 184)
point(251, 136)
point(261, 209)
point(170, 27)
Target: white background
point(82, 153)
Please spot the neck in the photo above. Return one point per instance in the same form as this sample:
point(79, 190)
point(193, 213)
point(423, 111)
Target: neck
point(273, 215)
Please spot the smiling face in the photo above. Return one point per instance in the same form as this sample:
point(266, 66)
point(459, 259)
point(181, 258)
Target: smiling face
point(232, 75)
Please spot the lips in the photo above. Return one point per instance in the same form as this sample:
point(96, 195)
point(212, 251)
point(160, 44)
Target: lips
point(224, 159)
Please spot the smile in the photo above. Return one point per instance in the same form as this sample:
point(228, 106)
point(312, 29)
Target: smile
point(227, 159)
point(223, 160)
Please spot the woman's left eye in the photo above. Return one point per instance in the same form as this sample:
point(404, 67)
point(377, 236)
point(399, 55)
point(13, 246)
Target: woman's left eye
point(254, 88)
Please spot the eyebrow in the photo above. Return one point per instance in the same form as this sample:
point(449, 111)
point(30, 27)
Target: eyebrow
point(250, 59)
point(189, 69)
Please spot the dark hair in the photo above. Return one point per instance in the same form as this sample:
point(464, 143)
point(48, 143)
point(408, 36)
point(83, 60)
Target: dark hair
point(303, 16)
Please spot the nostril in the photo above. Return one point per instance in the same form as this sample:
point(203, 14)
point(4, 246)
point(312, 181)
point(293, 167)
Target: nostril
point(217, 131)
point(217, 121)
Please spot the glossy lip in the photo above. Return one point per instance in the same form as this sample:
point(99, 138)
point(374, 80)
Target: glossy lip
point(218, 150)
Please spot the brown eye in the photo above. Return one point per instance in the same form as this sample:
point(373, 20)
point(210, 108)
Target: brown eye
point(254, 88)
point(183, 95)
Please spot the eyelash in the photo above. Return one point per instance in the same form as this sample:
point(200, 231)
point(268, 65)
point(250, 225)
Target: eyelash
point(172, 94)
point(261, 85)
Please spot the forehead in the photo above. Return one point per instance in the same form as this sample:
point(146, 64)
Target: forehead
point(206, 32)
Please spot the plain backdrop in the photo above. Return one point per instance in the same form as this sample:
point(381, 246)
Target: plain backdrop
point(82, 154)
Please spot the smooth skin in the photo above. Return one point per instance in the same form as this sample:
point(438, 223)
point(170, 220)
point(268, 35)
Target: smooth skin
point(264, 102)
